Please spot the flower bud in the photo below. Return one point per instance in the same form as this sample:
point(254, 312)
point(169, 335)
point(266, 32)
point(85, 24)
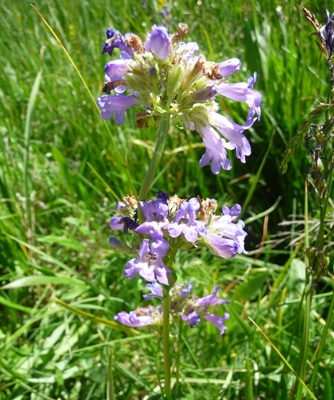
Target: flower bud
point(205, 94)
point(229, 67)
point(119, 246)
point(174, 82)
point(159, 42)
point(324, 261)
point(153, 74)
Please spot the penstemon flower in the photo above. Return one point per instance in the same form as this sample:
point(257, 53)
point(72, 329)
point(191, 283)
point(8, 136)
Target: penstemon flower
point(149, 263)
point(183, 304)
point(167, 79)
point(173, 223)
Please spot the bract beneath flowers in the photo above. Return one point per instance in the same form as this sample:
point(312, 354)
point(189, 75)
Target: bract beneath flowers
point(166, 78)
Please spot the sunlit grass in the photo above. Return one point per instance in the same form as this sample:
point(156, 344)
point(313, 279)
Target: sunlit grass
point(59, 223)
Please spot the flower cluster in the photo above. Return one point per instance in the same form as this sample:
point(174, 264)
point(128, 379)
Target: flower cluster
point(168, 79)
point(329, 34)
point(183, 304)
point(170, 224)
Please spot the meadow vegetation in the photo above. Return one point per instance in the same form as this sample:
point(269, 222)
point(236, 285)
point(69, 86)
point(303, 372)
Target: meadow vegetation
point(62, 169)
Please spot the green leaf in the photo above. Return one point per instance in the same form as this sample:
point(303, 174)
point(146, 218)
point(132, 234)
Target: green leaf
point(9, 303)
point(42, 280)
point(328, 392)
point(27, 129)
point(97, 320)
point(296, 281)
point(69, 243)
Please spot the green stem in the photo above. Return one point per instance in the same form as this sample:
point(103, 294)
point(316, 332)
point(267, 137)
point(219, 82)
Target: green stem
point(179, 345)
point(152, 170)
point(302, 361)
point(158, 369)
point(322, 345)
point(165, 338)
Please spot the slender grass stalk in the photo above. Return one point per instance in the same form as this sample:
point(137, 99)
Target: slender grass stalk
point(165, 338)
point(284, 360)
point(90, 95)
point(322, 345)
point(302, 361)
point(110, 382)
point(179, 346)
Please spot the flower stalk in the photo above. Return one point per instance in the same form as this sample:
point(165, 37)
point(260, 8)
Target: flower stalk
point(152, 170)
point(165, 338)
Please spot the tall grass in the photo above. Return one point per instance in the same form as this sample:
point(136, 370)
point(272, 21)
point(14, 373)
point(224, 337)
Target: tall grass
point(60, 174)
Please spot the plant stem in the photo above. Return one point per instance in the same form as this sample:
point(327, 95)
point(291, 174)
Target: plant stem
point(302, 361)
point(322, 344)
point(158, 369)
point(152, 170)
point(179, 345)
point(165, 336)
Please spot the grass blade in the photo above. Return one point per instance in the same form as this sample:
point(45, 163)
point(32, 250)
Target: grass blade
point(90, 95)
point(257, 177)
point(110, 382)
point(285, 361)
point(97, 320)
point(42, 280)
point(27, 130)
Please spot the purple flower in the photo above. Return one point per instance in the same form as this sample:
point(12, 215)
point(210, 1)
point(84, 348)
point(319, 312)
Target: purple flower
point(115, 40)
point(159, 42)
point(142, 316)
point(188, 50)
point(185, 222)
point(194, 312)
point(120, 247)
point(125, 223)
point(163, 196)
point(207, 93)
point(229, 67)
point(116, 223)
point(192, 318)
point(233, 132)
point(156, 213)
point(116, 69)
point(234, 212)
point(150, 264)
point(215, 150)
point(222, 247)
point(156, 290)
point(329, 39)
point(117, 105)
point(225, 238)
point(218, 321)
point(165, 12)
point(185, 292)
point(242, 92)
point(211, 299)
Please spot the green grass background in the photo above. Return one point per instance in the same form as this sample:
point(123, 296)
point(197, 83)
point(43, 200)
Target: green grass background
point(61, 171)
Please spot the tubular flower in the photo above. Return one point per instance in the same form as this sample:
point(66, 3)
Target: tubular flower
point(174, 222)
point(149, 262)
point(327, 34)
point(141, 317)
point(183, 304)
point(167, 79)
